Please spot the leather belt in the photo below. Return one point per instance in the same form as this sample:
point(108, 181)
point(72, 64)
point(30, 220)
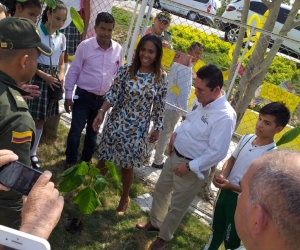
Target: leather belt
point(181, 156)
point(97, 97)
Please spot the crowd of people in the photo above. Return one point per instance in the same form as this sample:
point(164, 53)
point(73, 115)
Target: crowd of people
point(259, 184)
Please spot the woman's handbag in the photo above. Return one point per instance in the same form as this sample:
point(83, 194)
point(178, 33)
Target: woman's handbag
point(56, 93)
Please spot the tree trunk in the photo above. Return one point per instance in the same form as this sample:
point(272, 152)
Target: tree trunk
point(258, 64)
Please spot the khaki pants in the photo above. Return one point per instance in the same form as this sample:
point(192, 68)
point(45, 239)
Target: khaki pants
point(184, 191)
point(170, 120)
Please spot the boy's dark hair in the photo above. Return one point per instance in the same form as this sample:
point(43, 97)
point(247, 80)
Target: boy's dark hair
point(136, 64)
point(196, 45)
point(12, 4)
point(212, 75)
point(279, 111)
point(105, 17)
point(60, 6)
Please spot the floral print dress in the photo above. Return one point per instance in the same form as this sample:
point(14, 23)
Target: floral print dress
point(135, 102)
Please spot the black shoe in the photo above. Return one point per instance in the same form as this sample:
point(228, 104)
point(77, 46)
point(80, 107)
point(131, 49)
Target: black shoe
point(157, 166)
point(35, 163)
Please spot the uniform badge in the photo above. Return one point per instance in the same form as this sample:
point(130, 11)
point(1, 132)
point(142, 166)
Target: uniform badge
point(21, 137)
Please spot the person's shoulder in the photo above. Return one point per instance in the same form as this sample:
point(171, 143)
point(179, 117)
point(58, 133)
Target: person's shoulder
point(115, 44)
point(87, 42)
point(168, 32)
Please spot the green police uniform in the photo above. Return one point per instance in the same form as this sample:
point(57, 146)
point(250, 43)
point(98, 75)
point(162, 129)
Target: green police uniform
point(17, 128)
point(16, 134)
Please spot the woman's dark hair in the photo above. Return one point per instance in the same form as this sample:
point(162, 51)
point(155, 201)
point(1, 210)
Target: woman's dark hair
point(136, 64)
point(12, 5)
point(60, 6)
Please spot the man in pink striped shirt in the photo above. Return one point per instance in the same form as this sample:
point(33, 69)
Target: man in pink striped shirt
point(93, 69)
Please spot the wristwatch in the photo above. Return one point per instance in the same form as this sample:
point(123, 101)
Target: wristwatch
point(188, 166)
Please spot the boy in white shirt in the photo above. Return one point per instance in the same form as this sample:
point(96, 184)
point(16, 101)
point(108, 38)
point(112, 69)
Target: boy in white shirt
point(273, 117)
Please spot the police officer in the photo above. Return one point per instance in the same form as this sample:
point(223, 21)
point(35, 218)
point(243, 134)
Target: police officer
point(20, 46)
point(159, 28)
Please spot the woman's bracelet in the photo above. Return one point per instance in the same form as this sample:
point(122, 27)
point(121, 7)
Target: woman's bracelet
point(102, 111)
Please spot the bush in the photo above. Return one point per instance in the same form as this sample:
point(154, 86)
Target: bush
point(216, 51)
point(183, 36)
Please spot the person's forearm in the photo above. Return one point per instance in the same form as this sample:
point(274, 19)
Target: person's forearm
point(36, 231)
point(87, 14)
point(227, 167)
point(234, 188)
point(105, 106)
point(40, 73)
point(61, 69)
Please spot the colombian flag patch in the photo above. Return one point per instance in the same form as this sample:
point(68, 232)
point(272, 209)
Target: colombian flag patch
point(22, 137)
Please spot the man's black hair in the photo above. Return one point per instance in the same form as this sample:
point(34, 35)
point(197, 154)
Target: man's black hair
point(212, 75)
point(279, 111)
point(105, 17)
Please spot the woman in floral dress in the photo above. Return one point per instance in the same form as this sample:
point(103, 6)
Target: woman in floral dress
point(137, 97)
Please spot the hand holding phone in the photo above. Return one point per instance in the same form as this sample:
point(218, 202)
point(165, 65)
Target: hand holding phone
point(6, 156)
point(18, 177)
point(42, 208)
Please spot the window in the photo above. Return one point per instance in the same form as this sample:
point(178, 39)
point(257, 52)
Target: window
point(201, 1)
point(282, 15)
point(258, 7)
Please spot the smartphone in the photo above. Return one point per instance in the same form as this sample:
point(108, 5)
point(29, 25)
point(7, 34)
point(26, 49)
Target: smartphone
point(18, 177)
point(11, 239)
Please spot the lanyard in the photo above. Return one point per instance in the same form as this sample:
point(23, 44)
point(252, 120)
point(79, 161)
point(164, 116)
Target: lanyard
point(269, 149)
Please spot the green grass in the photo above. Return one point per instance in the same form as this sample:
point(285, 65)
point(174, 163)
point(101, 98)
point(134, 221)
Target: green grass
point(104, 229)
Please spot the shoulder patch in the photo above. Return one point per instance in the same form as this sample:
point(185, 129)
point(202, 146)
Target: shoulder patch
point(20, 98)
point(21, 137)
point(169, 32)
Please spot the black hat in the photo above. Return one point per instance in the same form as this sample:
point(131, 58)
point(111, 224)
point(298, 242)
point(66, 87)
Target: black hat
point(21, 33)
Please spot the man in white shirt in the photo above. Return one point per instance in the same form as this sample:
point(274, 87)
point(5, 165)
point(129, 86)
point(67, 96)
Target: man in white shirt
point(200, 142)
point(180, 78)
point(267, 215)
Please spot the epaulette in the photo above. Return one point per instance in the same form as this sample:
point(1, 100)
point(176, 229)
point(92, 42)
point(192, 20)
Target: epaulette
point(169, 32)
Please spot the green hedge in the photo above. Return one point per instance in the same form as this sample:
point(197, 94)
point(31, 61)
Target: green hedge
point(216, 51)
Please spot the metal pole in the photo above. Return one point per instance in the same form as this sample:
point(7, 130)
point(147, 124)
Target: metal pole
point(136, 30)
point(240, 63)
point(125, 46)
point(151, 2)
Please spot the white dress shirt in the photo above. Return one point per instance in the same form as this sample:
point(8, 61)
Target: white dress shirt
point(205, 134)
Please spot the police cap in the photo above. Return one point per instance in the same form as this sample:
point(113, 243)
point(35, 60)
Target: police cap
point(21, 33)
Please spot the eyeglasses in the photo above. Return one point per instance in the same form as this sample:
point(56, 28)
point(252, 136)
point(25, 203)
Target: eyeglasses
point(202, 91)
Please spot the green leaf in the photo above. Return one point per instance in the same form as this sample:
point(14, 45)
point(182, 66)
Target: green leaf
point(289, 136)
point(71, 170)
point(77, 20)
point(112, 169)
point(100, 184)
point(87, 200)
point(83, 168)
point(71, 182)
point(93, 171)
point(22, 1)
point(52, 3)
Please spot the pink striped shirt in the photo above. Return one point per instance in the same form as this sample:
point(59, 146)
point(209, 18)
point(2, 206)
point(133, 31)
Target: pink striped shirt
point(93, 69)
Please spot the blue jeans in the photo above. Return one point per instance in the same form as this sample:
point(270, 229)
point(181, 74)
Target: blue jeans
point(85, 109)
